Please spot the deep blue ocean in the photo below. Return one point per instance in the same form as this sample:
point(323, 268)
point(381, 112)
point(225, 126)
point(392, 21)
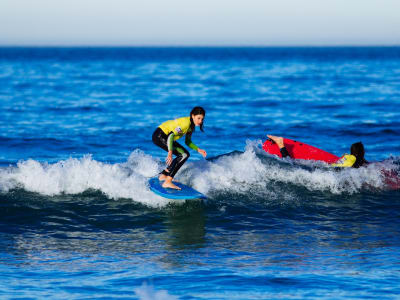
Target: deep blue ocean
point(77, 218)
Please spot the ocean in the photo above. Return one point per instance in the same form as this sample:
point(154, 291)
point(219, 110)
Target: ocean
point(77, 218)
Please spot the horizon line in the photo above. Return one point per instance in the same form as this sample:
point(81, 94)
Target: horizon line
point(200, 46)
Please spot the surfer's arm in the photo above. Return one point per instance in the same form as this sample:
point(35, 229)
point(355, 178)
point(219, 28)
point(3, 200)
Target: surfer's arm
point(170, 145)
point(188, 141)
point(279, 142)
point(170, 141)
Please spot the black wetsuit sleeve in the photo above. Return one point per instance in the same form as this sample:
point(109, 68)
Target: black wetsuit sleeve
point(284, 152)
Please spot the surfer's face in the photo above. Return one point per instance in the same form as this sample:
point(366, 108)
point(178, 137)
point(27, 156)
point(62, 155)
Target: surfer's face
point(198, 119)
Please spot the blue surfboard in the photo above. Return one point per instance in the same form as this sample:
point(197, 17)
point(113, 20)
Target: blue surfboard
point(185, 193)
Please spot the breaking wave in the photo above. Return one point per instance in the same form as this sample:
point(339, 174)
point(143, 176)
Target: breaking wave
point(252, 174)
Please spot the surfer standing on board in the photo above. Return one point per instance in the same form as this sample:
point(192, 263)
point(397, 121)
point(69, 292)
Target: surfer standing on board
point(355, 159)
point(165, 137)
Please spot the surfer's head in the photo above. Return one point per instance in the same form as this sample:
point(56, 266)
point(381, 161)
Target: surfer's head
point(197, 117)
point(357, 149)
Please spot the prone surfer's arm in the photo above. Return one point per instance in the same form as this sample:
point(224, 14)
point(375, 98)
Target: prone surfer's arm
point(279, 142)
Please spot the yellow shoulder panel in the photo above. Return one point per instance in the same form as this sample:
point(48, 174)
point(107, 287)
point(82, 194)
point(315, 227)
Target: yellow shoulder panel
point(178, 126)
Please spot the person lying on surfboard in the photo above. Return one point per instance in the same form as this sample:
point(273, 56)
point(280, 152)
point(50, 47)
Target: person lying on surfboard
point(355, 159)
point(165, 137)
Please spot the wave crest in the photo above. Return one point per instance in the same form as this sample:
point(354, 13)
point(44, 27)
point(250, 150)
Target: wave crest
point(252, 174)
point(74, 176)
point(256, 172)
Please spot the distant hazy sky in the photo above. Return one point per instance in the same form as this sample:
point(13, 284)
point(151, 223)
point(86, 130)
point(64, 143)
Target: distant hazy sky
point(199, 22)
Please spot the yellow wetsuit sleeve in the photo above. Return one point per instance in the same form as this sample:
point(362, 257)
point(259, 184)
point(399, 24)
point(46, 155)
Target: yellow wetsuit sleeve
point(346, 161)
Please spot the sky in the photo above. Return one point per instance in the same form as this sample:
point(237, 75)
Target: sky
point(199, 22)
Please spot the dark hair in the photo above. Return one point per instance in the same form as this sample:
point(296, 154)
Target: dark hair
point(357, 149)
point(198, 110)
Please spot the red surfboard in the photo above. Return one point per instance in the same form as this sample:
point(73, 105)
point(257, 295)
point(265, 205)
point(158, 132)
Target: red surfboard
point(300, 150)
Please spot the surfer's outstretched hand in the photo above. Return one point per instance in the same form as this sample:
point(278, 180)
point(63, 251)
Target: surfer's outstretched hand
point(202, 152)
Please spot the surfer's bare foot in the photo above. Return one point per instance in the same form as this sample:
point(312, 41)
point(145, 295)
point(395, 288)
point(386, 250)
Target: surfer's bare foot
point(277, 140)
point(163, 177)
point(168, 184)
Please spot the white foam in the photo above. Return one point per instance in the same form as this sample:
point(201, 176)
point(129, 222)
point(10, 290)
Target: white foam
point(252, 173)
point(74, 176)
point(146, 292)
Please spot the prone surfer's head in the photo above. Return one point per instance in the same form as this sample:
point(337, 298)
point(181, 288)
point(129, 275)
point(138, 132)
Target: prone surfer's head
point(357, 149)
point(197, 117)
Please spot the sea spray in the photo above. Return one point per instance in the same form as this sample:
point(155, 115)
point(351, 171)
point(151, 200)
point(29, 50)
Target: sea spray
point(252, 173)
point(255, 171)
point(74, 176)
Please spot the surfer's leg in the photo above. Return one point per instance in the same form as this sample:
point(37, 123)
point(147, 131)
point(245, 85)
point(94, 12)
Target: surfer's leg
point(162, 176)
point(182, 156)
point(160, 139)
point(279, 141)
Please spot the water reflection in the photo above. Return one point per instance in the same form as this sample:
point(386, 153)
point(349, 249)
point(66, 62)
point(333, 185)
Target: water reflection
point(36, 229)
point(89, 230)
point(186, 226)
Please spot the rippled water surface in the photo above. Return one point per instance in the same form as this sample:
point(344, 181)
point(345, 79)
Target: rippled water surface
point(78, 221)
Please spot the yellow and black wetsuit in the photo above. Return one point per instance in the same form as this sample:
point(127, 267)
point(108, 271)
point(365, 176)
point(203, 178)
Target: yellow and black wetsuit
point(166, 136)
point(346, 161)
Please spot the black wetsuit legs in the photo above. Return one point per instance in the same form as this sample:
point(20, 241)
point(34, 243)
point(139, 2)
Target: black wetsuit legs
point(160, 139)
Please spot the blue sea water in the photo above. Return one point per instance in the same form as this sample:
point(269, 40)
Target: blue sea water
point(77, 218)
